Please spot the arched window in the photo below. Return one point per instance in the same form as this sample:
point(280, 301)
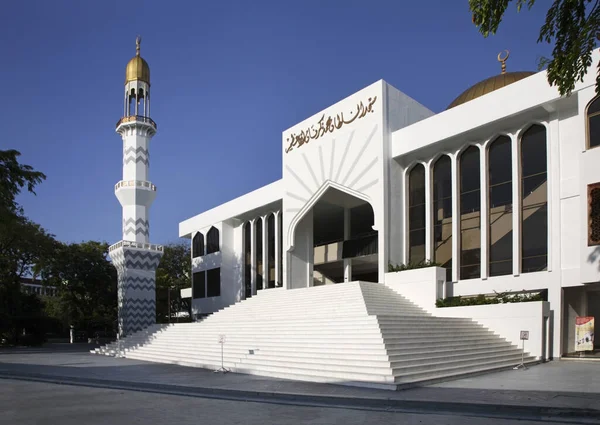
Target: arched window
point(593, 123)
point(258, 254)
point(442, 214)
point(280, 242)
point(271, 251)
point(212, 240)
point(132, 103)
point(500, 212)
point(247, 259)
point(470, 214)
point(534, 200)
point(416, 214)
point(198, 245)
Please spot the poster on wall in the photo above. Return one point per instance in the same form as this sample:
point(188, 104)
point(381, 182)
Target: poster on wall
point(584, 333)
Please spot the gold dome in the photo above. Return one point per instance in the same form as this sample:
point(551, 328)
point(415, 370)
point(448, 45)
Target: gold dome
point(490, 84)
point(137, 68)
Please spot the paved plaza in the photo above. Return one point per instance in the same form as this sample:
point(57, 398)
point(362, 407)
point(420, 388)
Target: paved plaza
point(566, 390)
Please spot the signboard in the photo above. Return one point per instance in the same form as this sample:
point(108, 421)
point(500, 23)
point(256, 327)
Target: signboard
point(584, 333)
point(221, 339)
point(524, 335)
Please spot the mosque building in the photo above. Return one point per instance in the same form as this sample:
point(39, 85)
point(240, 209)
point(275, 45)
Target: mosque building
point(383, 209)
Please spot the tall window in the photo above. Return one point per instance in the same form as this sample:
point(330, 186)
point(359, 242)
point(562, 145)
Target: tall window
point(198, 245)
point(416, 214)
point(442, 214)
point(593, 117)
point(500, 211)
point(280, 249)
point(271, 251)
point(212, 240)
point(213, 282)
point(247, 259)
point(470, 214)
point(199, 285)
point(594, 214)
point(259, 253)
point(534, 200)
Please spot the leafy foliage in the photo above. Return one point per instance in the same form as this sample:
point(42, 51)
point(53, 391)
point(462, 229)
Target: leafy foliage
point(410, 266)
point(572, 25)
point(172, 275)
point(498, 298)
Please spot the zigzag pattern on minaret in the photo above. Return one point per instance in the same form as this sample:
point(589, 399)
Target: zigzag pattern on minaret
point(139, 154)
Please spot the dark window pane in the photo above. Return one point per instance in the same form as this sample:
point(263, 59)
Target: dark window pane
point(500, 161)
point(501, 268)
point(212, 240)
point(535, 231)
point(535, 264)
point(199, 285)
point(501, 195)
point(248, 259)
point(213, 282)
point(533, 151)
point(469, 170)
point(594, 106)
point(594, 129)
point(470, 272)
point(198, 245)
point(416, 217)
point(416, 185)
point(534, 214)
point(416, 246)
point(470, 202)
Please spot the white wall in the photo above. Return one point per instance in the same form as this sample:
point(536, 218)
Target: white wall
point(508, 320)
point(421, 286)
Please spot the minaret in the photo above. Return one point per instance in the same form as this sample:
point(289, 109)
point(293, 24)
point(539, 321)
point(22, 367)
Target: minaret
point(135, 258)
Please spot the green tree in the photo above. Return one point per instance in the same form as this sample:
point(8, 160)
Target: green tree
point(87, 287)
point(23, 245)
point(172, 275)
point(572, 27)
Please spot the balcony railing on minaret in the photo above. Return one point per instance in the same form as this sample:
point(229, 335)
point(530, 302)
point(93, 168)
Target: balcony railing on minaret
point(137, 118)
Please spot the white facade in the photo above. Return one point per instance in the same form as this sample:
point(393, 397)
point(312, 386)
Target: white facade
point(360, 152)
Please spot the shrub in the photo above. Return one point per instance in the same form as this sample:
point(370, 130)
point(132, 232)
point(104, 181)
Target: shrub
point(411, 266)
point(497, 298)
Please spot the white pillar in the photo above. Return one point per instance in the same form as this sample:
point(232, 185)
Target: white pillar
point(125, 113)
point(428, 214)
point(347, 261)
point(277, 217)
point(137, 98)
point(483, 211)
point(455, 219)
point(148, 102)
point(265, 250)
point(253, 255)
point(516, 206)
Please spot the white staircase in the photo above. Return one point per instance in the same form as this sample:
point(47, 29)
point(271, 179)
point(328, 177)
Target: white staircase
point(354, 333)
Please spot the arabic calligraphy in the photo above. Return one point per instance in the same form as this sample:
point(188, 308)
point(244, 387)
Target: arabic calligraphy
point(328, 125)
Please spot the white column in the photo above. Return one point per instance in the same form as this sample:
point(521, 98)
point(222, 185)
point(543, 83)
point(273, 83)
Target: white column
point(516, 206)
point(277, 217)
point(125, 105)
point(148, 102)
point(253, 255)
point(136, 100)
point(428, 214)
point(484, 219)
point(455, 219)
point(265, 250)
point(347, 261)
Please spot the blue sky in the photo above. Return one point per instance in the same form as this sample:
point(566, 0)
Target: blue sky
point(228, 78)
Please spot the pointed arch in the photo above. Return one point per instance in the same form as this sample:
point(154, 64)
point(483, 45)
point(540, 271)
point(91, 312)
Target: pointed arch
point(314, 199)
point(198, 245)
point(416, 214)
point(212, 240)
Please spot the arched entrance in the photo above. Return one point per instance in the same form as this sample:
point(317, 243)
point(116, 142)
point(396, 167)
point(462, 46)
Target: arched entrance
point(334, 242)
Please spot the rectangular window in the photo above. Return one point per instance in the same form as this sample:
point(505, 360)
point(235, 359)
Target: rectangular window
point(593, 214)
point(199, 285)
point(213, 282)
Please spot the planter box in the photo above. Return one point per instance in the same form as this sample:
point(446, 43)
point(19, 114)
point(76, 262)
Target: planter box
point(421, 286)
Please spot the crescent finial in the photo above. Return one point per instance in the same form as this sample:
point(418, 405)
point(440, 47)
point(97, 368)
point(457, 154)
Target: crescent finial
point(138, 42)
point(502, 60)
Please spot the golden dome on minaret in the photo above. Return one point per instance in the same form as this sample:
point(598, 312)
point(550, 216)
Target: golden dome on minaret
point(137, 68)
